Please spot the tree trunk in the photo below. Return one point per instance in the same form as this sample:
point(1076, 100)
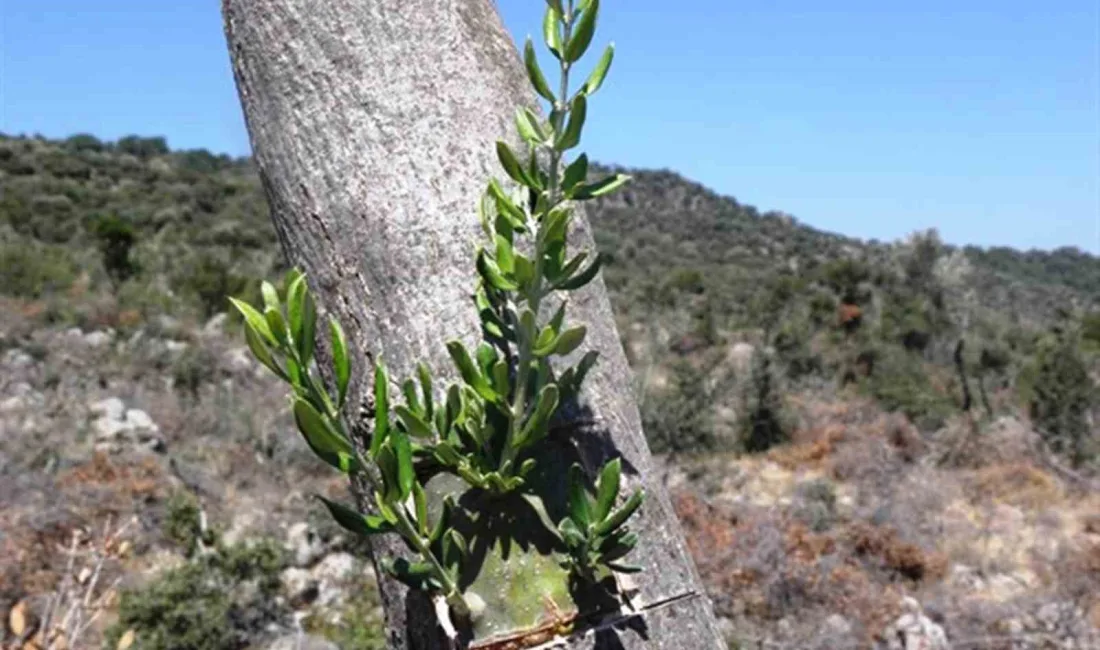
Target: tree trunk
point(372, 124)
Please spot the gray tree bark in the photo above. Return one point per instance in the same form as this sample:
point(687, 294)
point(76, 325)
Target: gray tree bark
point(372, 123)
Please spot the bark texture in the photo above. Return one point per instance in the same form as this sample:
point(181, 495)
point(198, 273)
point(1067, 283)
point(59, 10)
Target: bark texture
point(372, 123)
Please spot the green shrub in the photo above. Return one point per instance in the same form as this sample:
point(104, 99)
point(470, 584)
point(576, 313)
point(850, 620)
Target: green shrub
point(815, 504)
point(31, 270)
point(1062, 393)
point(900, 383)
point(676, 420)
point(182, 522)
point(219, 601)
point(116, 238)
point(763, 421)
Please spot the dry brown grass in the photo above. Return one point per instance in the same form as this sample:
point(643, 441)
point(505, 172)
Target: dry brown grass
point(1019, 484)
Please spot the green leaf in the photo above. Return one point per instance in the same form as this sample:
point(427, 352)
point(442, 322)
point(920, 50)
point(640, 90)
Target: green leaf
point(570, 340)
point(381, 409)
point(383, 508)
point(556, 5)
point(569, 269)
point(582, 278)
point(579, 508)
point(323, 439)
point(551, 31)
point(527, 324)
point(554, 227)
point(447, 454)
point(414, 424)
point(528, 126)
point(403, 453)
point(420, 500)
point(585, 365)
point(412, 400)
point(295, 294)
point(416, 575)
point(277, 324)
point(570, 533)
point(535, 501)
point(575, 173)
point(571, 137)
point(524, 269)
point(492, 273)
point(306, 336)
point(454, 405)
point(425, 377)
point(607, 489)
point(619, 516)
point(559, 317)
point(536, 426)
point(599, 73)
point(500, 377)
point(486, 357)
point(470, 374)
point(624, 568)
point(534, 72)
point(582, 34)
point(261, 351)
point(511, 165)
point(601, 187)
point(546, 342)
point(444, 517)
point(505, 258)
point(341, 363)
point(618, 551)
point(454, 549)
point(255, 319)
point(355, 522)
point(270, 294)
point(506, 205)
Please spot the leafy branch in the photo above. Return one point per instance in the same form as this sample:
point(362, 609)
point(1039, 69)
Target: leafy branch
point(483, 427)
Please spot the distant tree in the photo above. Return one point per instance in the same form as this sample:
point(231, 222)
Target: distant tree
point(116, 239)
point(763, 424)
point(84, 142)
point(1062, 396)
point(142, 147)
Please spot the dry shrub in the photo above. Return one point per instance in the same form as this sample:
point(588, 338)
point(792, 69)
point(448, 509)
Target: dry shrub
point(760, 566)
point(1021, 484)
point(884, 547)
point(809, 448)
point(107, 486)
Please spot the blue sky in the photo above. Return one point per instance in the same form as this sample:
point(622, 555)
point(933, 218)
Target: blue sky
point(980, 118)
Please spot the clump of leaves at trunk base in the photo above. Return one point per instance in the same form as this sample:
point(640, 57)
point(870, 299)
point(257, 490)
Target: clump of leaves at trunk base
point(483, 428)
point(595, 532)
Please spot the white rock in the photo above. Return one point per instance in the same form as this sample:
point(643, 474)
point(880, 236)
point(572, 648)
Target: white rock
point(215, 325)
point(336, 567)
point(175, 347)
point(139, 419)
point(837, 625)
point(300, 587)
point(304, 544)
point(17, 359)
point(301, 641)
point(238, 360)
point(111, 408)
point(117, 427)
point(915, 631)
point(97, 339)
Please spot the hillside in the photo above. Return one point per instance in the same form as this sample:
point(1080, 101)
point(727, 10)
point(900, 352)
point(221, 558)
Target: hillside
point(852, 431)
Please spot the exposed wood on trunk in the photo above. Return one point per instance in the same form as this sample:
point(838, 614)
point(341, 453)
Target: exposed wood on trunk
point(372, 125)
